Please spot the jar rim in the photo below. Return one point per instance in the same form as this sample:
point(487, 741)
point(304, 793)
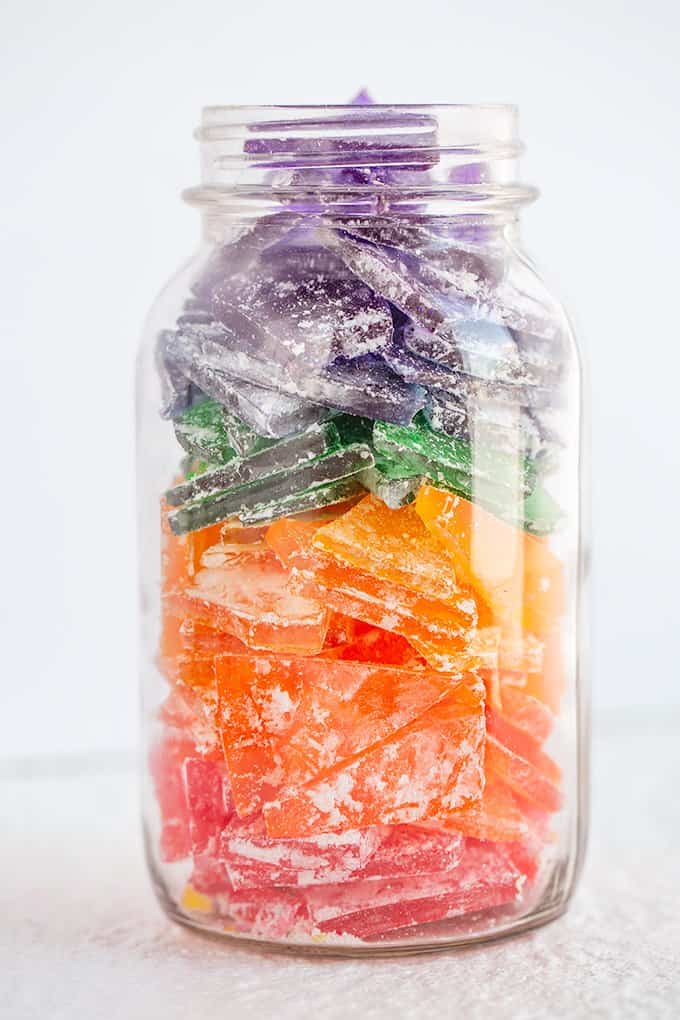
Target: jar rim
point(464, 152)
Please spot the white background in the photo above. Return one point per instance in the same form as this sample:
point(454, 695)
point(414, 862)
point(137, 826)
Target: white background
point(98, 104)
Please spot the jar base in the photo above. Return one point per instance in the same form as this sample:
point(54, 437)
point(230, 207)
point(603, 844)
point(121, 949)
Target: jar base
point(457, 933)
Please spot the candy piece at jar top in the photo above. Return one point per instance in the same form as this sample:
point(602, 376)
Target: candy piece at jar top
point(389, 276)
point(411, 850)
point(254, 860)
point(283, 719)
point(347, 146)
point(240, 254)
point(431, 243)
point(270, 414)
point(285, 455)
point(166, 760)
point(518, 577)
point(523, 778)
point(481, 349)
point(394, 492)
point(485, 877)
point(298, 307)
point(245, 591)
point(423, 770)
point(446, 460)
point(420, 371)
point(437, 282)
point(201, 431)
point(394, 545)
point(245, 500)
point(438, 630)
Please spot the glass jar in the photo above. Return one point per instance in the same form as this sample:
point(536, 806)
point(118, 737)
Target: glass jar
point(359, 514)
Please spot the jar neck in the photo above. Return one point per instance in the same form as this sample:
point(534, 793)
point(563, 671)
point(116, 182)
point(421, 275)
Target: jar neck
point(458, 163)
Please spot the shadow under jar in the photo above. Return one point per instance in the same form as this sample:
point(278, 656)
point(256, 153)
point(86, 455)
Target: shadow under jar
point(359, 513)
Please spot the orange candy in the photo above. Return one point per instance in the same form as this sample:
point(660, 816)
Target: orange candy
point(423, 770)
point(284, 719)
point(438, 630)
point(392, 545)
point(516, 574)
point(523, 777)
point(244, 590)
point(495, 816)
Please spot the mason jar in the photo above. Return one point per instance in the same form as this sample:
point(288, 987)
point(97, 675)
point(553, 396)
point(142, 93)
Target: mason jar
point(359, 446)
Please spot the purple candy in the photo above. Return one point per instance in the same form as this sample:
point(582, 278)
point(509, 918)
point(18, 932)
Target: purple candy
point(366, 386)
point(300, 308)
point(175, 386)
point(241, 254)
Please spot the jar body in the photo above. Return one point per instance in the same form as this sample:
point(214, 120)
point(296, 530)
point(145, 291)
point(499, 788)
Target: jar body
point(359, 519)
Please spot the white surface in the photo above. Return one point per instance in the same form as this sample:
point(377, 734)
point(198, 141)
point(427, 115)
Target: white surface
point(98, 103)
point(82, 938)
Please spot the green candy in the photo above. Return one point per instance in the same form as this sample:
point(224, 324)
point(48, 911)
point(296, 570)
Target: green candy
point(541, 513)
point(316, 498)
point(418, 449)
point(394, 492)
point(201, 431)
point(242, 437)
point(283, 455)
point(274, 493)
point(405, 454)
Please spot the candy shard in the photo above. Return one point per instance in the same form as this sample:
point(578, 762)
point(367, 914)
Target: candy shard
point(446, 460)
point(495, 816)
point(394, 492)
point(254, 860)
point(285, 455)
point(523, 777)
point(248, 594)
point(166, 760)
point(319, 497)
point(284, 719)
point(394, 545)
point(518, 577)
point(435, 629)
point(209, 802)
point(485, 877)
point(175, 386)
point(201, 431)
point(410, 850)
point(527, 713)
point(248, 500)
point(428, 767)
point(522, 744)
